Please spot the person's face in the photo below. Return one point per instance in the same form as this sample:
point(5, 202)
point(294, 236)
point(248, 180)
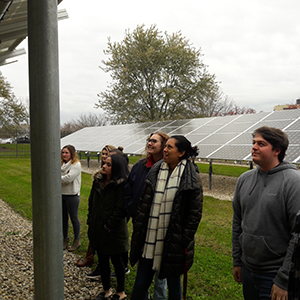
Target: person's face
point(171, 154)
point(106, 168)
point(154, 144)
point(104, 155)
point(66, 155)
point(263, 154)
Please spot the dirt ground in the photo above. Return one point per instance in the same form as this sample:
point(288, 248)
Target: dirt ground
point(222, 187)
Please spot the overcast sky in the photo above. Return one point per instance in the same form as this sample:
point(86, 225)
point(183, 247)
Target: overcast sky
point(251, 46)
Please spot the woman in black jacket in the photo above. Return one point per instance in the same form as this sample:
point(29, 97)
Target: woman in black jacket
point(155, 145)
point(168, 217)
point(89, 257)
point(107, 224)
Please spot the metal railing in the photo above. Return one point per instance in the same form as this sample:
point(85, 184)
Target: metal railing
point(14, 150)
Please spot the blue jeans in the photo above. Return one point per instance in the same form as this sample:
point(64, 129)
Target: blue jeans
point(160, 288)
point(257, 286)
point(144, 278)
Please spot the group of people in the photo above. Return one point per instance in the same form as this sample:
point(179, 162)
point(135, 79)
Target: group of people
point(163, 195)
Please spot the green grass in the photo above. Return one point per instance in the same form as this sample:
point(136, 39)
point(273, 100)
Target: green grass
point(134, 159)
point(15, 187)
point(222, 169)
point(14, 150)
point(212, 270)
point(209, 278)
point(218, 169)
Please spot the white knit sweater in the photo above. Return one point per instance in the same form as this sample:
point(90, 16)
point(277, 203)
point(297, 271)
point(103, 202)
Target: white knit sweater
point(71, 178)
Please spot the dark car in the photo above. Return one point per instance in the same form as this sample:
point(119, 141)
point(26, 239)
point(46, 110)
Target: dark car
point(23, 140)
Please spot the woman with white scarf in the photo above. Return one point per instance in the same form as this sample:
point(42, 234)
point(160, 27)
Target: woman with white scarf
point(168, 217)
point(71, 182)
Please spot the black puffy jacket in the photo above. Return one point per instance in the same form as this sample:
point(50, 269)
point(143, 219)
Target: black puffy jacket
point(185, 218)
point(107, 224)
point(134, 186)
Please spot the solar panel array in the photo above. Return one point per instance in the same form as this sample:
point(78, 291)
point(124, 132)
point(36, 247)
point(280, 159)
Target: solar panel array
point(226, 138)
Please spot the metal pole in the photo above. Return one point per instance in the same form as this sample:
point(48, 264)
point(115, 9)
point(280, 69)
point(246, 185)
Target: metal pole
point(17, 149)
point(87, 154)
point(210, 173)
point(45, 149)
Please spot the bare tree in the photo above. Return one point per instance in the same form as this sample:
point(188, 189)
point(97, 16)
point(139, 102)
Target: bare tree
point(228, 107)
point(91, 120)
point(84, 120)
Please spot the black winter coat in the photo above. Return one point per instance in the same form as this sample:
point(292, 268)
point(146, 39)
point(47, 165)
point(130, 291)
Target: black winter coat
point(108, 232)
point(185, 217)
point(134, 186)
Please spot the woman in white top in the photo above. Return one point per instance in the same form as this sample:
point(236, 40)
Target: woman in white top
point(71, 182)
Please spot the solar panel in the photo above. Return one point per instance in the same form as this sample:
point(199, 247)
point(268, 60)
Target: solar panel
point(233, 152)
point(226, 138)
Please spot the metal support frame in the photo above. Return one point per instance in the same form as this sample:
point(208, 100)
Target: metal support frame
point(210, 173)
point(45, 149)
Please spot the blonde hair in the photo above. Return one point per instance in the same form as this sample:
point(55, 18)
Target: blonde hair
point(108, 148)
point(74, 156)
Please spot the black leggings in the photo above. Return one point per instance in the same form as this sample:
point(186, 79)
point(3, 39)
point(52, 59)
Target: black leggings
point(117, 261)
point(70, 205)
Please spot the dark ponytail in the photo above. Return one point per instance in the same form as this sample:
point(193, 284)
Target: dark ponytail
point(183, 144)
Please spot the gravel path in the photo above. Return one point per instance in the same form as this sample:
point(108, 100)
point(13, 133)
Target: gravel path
point(16, 254)
point(16, 262)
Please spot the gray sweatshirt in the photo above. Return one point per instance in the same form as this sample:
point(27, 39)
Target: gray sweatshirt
point(265, 205)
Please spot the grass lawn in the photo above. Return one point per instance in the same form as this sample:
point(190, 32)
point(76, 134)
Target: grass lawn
point(209, 278)
point(14, 150)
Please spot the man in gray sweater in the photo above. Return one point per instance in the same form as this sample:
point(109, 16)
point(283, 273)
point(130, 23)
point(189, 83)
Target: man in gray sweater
point(265, 206)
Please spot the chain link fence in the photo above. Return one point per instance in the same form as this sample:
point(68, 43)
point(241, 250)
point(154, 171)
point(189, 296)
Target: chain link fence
point(14, 145)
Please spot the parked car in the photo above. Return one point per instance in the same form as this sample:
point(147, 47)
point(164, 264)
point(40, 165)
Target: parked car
point(8, 141)
point(23, 140)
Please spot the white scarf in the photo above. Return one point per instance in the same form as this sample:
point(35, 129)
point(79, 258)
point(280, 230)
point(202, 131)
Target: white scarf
point(161, 209)
point(65, 167)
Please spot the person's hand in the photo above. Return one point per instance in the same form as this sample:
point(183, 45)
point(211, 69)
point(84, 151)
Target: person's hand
point(278, 293)
point(107, 229)
point(237, 273)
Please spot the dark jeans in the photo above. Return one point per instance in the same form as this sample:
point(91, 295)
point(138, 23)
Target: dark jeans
point(257, 286)
point(117, 261)
point(144, 278)
point(125, 259)
point(70, 205)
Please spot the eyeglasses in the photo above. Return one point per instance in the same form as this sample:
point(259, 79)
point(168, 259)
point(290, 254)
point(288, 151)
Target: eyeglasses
point(152, 141)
